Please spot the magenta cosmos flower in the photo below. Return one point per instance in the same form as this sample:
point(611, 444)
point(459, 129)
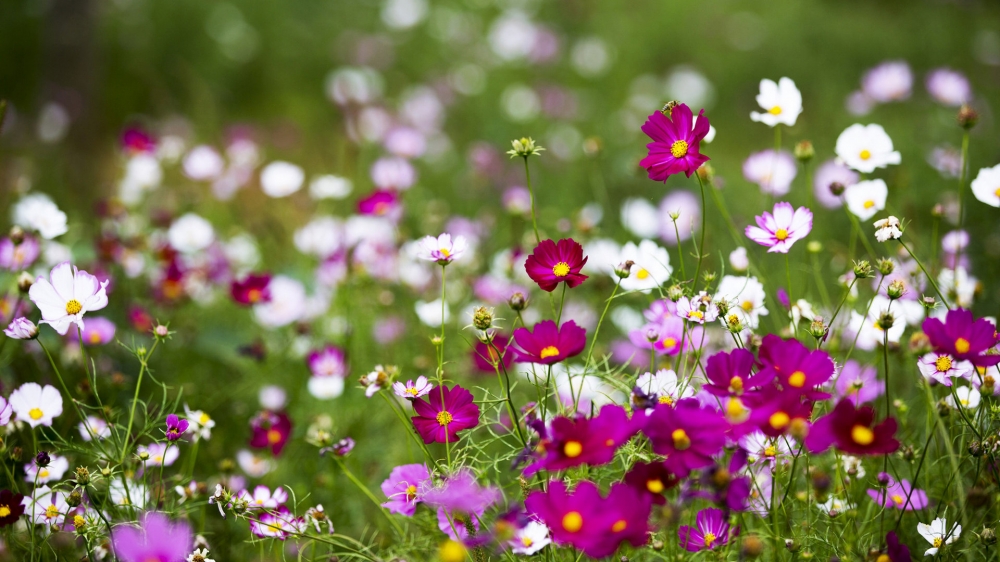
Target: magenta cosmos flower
point(585, 520)
point(962, 337)
point(176, 427)
point(252, 289)
point(486, 356)
point(99, 331)
point(444, 413)
point(405, 487)
point(712, 530)
point(461, 493)
point(651, 479)
point(547, 344)
point(778, 231)
point(156, 540)
point(676, 145)
point(270, 431)
point(899, 495)
point(730, 374)
point(574, 441)
point(552, 263)
point(859, 384)
point(851, 430)
point(688, 434)
point(798, 369)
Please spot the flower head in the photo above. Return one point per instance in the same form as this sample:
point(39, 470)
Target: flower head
point(938, 534)
point(548, 344)
point(412, 390)
point(99, 331)
point(524, 147)
point(963, 338)
point(570, 442)
point(444, 413)
point(551, 263)
point(329, 369)
point(263, 498)
point(70, 294)
point(176, 427)
point(36, 405)
point(252, 289)
point(782, 103)
point(442, 249)
point(942, 367)
point(486, 355)
point(651, 479)
point(270, 430)
point(986, 186)
point(887, 228)
point(17, 256)
point(772, 171)
point(36, 212)
point(799, 370)
point(851, 429)
point(778, 231)
point(676, 145)
point(688, 434)
point(460, 492)
point(155, 539)
point(650, 269)
point(11, 507)
point(887, 82)
point(405, 487)
point(858, 384)
point(712, 530)
point(899, 495)
point(730, 374)
point(866, 198)
point(866, 148)
point(949, 87)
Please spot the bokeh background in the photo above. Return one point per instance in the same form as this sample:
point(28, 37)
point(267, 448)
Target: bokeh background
point(577, 75)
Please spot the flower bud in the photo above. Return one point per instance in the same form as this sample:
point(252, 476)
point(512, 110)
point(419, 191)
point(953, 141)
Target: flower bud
point(15, 454)
point(105, 472)
point(16, 235)
point(988, 385)
point(799, 429)
point(988, 536)
point(751, 546)
point(885, 321)
point(24, 282)
point(817, 328)
point(976, 449)
point(652, 335)
point(517, 302)
point(734, 323)
point(709, 277)
point(624, 269)
point(82, 476)
point(885, 266)
point(658, 546)
point(675, 292)
point(814, 247)
point(820, 481)
point(929, 302)
point(837, 188)
point(937, 211)
point(161, 331)
point(896, 289)
point(862, 269)
point(791, 545)
point(524, 147)
point(705, 172)
point(967, 117)
point(74, 499)
point(920, 344)
point(42, 459)
point(804, 151)
point(482, 318)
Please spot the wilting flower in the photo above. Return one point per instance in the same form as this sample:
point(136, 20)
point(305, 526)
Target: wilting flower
point(676, 145)
point(11, 507)
point(866, 198)
point(442, 249)
point(899, 495)
point(688, 434)
point(263, 498)
point(986, 186)
point(252, 289)
point(712, 530)
point(36, 405)
point(404, 487)
point(570, 442)
point(548, 344)
point(176, 427)
point(444, 413)
point(963, 338)
point(21, 329)
point(270, 430)
point(866, 148)
point(851, 430)
point(859, 384)
point(772, 171)
point(780, 230)
point(942, 367)
point(938, 534)
point(412, 390)
point(551, 263)
point(782, 103)
point(71, 294)
point(155, 539)
point(886, 229)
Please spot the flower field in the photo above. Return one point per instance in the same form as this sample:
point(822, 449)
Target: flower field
point(474, 280)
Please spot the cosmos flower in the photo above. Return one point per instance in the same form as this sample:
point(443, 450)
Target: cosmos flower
point(277, 524)
point(19, 256)
point(551, 263)
point(263, 498)
point(730, 374)
point(663, 387)
point(381, 203)
point(460, 492)
point(697, 309)
point(798, 369)
point(866, 198)
point(190, 233)
point(329, 368)
point(99, 331)
point(899, 495)
point(270, 430)
point(71, 294)
point(157, 454)
point(53, 471)
point(570, 442)
point(851, 430)
point(897, 551)
point(963, 338)
point(964, 397)
point(444, 413)
point(21, 328)
point(47, 507)
point(547, 344)
point(772, 172)
point(404, 488)
point(200, 423)
point(712, 530)
point(412, 390)
point(36, 405)
point(782, 103)
point(651, 479)
point(858, 384)
point(485, 356)
point(650, 269)
point(986, 186)
point(11, 507)
point(942, 367)
point(688, 434)
point(887, 228)
point(176, 427)
point(778, 231)
point(938, 534)
point(252, 289)
point(889, 81)
point(529, 539)
point(746, 298)
point(827, 174)
point(949, 87)
point(281, 179)
point(676, 145)
point(36, 212)
point(442, 249)
point(866, 148)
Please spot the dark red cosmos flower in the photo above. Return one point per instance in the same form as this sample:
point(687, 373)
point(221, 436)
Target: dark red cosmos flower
point(729, 374)
point(651, 479)
point(552, 263)
point(571, 442)
point(11, 507)
point(379, 203)
point(962, 337)
point(897, 551)
point(271, 430)
point(676, 142)
point(798, 369)
point(141, 320)
point(484, 355)
point(136, 141)
point(443, 413)
point(774, 412)
point(851, 430)
point(547, 344)
point(688, 434)
point(252, 289)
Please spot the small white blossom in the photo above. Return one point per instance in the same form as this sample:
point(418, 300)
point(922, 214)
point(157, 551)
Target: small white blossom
point(887, 229)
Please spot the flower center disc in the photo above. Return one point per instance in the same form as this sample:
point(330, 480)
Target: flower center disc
point(35, 413)
point(443, 417)
point(962, 345)
point(561, 269)
point(572, 521)
point(73, 307)
point(681, 439)
point(943, 364)
point(865, 154)
point(862, 435)
point(679, 149)
point(774, 110)
point(572, 449)
point(549, 351)
point(781, 234)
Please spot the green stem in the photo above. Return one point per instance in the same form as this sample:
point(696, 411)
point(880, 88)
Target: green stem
point(926, 274)
point(704, 228)
point(680, 253)
point(135, 400)
point(367, 492)
point(505, 385)
point(531, 197)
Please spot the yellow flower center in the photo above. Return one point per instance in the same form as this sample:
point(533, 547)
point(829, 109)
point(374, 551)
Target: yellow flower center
point(664, 399)
point(774, 110)
point(445, 252)
point(4, 511)
point(51, 512)
point(883, 558)
point(865, 154)
point(254, 295)
point(696, 314)
point(938, 541)
point(95, 337)
point(943, 364)
point(770, 451)
point(962, 345)
point(797, 379)
point(710, 539)
point(549, 351)
point(572, 521)
point(679, 149)
point(411, 492)
point(572, 449)
point(35, 413)
point(619, 526)
point(736, 385)
point(44, 473)
point(443, 417)
point(655, 485)
point(526, 541)
point(73, 307)
point(273, 436)
point(781, 234)
point(561, 269)
point(412, 391)
point(735, 409)
point(747, 306)
point(869, 204)
point(641, 274)
point(681, 439)
point(862, 435)
point(779, 420)
point(669, 343)
point(79, 521)
point(997, 192)
point(897, 499)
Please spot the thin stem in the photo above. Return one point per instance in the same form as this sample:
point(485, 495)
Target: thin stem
point(440, 367)
point(531, 197)
point(505, 384)
point(408, 426)
point(367, 492)
point(135, 400)
point(704, 228)
point(926, 274)
point(680, 253)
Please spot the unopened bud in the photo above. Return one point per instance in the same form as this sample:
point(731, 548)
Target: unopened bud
point(517, 302)
point(708, 277)
point(482, 318)
point(896, 289)
point(837, 188)
point(937, 211)
point(791, 545)
point(817, 328)
point(976, 449)
point(25, 281)
point(814, 247)
point(105, 472)
point(42, 459)
point(624, 269)
point(675, 292)
point(987, 385)
point(652, 335)
point(967, 117)
point(143, 456)
point(751, 546)
point(920, 344)
point(799, 429)
point(16, 235)
point(16, 453)
point(885, 266)
point(804, 151)
point(74, 499)
point(734, 323)
point(82, 476)
point(161, 331)
point(929, 302)
point(705, 172)
point(862, 269)
point(885, 321)
point(988, 536)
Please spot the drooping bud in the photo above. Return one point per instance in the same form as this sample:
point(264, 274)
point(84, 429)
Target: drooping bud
point(623, 270)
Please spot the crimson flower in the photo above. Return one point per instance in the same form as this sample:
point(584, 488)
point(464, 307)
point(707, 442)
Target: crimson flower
point(574, 441)
point(485, 356)
point(252, 289)
point(962, 337)
point(552, 263)
point(651, 479)
point(547, 344)
point(443, 413)
point(850, 429)
point(11, 507)
point(270, 431)
point(676, 143)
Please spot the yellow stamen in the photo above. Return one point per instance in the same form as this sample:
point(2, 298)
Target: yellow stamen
point(35, 413)
point(95, 337)
point(73, 307)
point(862, 435)
point(770, 451)
point(869, 204)
point(273, 436)
point(203, 419)
point(679, 149)
point(619, 526)
point(445, 252)
point(797, 379)
point(696, 314)
point(669, 343)
point(747, 306)
point(443, 417)
point(779, 420)
point(897, 499)
point(709, 539)
point(938, 541)
point(642, 274)
point(526, 541)
point(681, 440)
point(4, 511)
point(774, 110)
point(572, 521)
point(665, 400)
point(943, 364)
point(962, 345)
point(865, 154)
point(411, 492)
point(736, 385)
point(781, 234)
point(655, 485)
point(572, 449)
point(561, 269)
point(51, 512)
point(549, 351)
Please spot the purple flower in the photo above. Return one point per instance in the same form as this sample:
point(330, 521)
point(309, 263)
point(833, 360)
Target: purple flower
point(899, 495)
point(405, 487)
point(828, 173)
point(729, 374)
point(897, 551)
point(461, 493)
point(176, 427)
point(98, 331)
point(773, 173)
point(688, 434)
point(889, 81)
point(859, 384)
point(21, 329)
point(554, 262)
point(778, 231)
point(712, 530)
point(948, 87)
point(444, 413)
point(574, 441)
point(328, 362)
point(963, 338)
point(156, 540)
point(651, 479)
point(412, 390)
point(676, 145)
point(17, 257)
point(798, 369)
point(852, 430)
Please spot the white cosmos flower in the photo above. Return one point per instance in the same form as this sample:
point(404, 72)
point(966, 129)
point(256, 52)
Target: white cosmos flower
point(869, 332)
point(430, 312)
point(866, 198)
point(442, 249)
point(665, 385)
point(159, 454)
point(834, 505)
point(200, 424)
point(37, 212)
point(36, 405)
point(203, 163)
point(772, 172)
point(968, 397)
point(651, 266)
point(326, 388)
point(287, 304)
point(329, 187)
point(641, 218)
point(782, 103)
point(45, 507)
point(71, 294)
point(746, 297)
point(986, 186)
point(190, 233)
point(255, 466)
point(54, 471)
point(321, 237)
point(530, 539)
point(866, 148)
point(94, 427)
point(938, 535)
point(281, 179)
point(958, 285)
point(738, 259)
point(888, 228)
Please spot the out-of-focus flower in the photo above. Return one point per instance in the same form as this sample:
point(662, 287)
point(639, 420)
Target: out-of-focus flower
point(20, 255)
point(899, 495)
point(851, 430)
point(738, 259)
point(548, 344)
point(938, 534)
point(866, 198)
point(94, 428)
point(48, 507)
point(53, 471)
point(157, 454)
point(781, 101)
point(395, 174)
point(281, 179)
point(13, 504)
point(176, 427)
point(99, 331)
point(37, 213)
point(963, 337)
point(381, 203)
point(404, 488)
point(964, 397)
point(71, 294)
point(829, 173)
point(190, 233)
point(460, 492)
point(203, 163)
point(444, 413)
point(676, 145)
point(271, 430)
point(772, 172)
point(948, 87)
point(712, 531)
point(551, 263)
point(651, 266)
point(321, 237)
point(329, 369)
point(277, 524)
point(200, 424)
point(442, 249)
point(986, 186)
point(529, 539)
point(287, 303)
point(21, 329)
point(251, 289)
point(36, 405)
point(747, 296)
point(889, 81)
point(858, 384)
point(412, 390)
point(698, 309)
point(778, 231)
point(683, 206)
point(866, 148)
point(430, 313)
point(887, 228)
point(263, 498)
point(330, 187)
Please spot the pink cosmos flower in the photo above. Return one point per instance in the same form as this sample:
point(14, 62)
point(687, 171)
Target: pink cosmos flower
point(948, 87)
point(859, 384)
point(963, 337)
point(485, 356)
point(21, 329)
point(70, 294)
point(405, 487)
point(252, 289)
point(712, 530)
point(99, 331)
point(570, 442)
point(380, 204)
point(412, 390)
point(263, 498)
point(941, 367)
point(554, 262)
point(899, 495)
point(444, 413)
point(887, 82)
point(772, 172)
point(271, 431)
point(442, 249)
point(548, 344)
point(16, 257)
point(853, 430)
point(157, 539)
point(276, 524)
point(688, 434)
point(780, 230)
point(460, 492)
point(676, 145)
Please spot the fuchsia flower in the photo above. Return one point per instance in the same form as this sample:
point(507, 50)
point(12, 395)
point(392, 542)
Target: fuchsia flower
point(963, 338)
point(137, 141)
point(270, 431)
point(798, 369)
point(99, 331)
point(380, 204)
point(485, 356)
point(176, 427)
point(547, 344)
point(712, 531)
point(775, 411)
point(851, 430)
point(585, 520)
point(729, 374)
point(688, 434)
point(461, 493)
point(899, 495)
point(676, 145)
point(444, 413)
point(156, 540)
point(328, 362)
point(778, 231)
point(651, 479)
point(859, 384)
point(574, 441)
point(405, 487)
point(252, 289)
point(552, 263)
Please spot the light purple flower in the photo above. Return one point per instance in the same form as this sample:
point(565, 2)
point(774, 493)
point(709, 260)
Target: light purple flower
point(780, 230)
point(99, 331)
point(899, 495)
point(263, 498)
point(411, 389)
point(157, 539)
point(396, 174)
point(442, 249)
point(460, 492)
point(830, 172)
point(941, 367)
point(16, 257)
point(22, 329)
point(688, 209)
point(772, 172)
point(712, 531)
point(859, 384)
point(948, 87)
point(889, 81)
point(405, 487)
